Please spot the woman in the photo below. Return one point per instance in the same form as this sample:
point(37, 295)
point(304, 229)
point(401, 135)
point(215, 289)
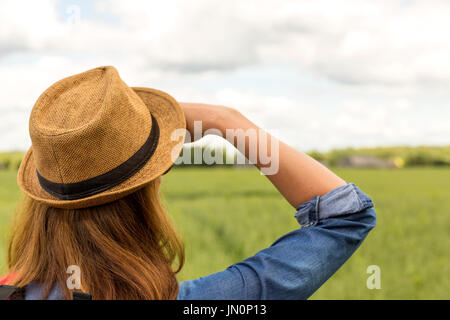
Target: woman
point(91, 180)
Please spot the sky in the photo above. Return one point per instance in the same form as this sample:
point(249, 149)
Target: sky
point(319, 74)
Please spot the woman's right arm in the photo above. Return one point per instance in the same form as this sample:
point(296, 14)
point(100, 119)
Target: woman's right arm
point(335, 218)
point(298, 178)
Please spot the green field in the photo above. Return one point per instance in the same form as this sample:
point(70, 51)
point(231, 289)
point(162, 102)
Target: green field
point(226, 215)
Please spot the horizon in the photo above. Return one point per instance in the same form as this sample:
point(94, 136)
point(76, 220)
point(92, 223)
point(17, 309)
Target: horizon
point(200, 143)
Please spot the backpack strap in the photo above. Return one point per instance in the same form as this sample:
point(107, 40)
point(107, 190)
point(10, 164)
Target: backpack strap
point(11, 292)
point(18, 293)
point(78, 295)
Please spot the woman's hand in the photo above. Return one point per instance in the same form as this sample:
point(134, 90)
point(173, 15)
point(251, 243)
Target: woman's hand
point(210, 116)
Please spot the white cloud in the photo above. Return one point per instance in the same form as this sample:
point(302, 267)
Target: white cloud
point(385, 42)
point(322, 73)
point(27, 25)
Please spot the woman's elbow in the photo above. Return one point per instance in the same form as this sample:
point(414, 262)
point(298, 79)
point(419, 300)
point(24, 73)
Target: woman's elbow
point(371, 219)
point(365, 224)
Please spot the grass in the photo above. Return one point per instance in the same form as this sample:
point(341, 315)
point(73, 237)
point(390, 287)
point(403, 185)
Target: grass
point(226, 215)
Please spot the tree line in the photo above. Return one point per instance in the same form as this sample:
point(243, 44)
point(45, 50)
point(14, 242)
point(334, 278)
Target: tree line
point(400, 156)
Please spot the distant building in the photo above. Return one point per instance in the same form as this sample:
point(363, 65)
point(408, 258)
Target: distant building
point(365, 161)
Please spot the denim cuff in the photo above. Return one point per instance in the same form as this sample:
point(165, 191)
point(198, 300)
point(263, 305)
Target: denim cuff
point(340, 201)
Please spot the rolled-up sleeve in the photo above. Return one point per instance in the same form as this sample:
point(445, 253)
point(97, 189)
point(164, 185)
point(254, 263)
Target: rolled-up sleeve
point(333, 226)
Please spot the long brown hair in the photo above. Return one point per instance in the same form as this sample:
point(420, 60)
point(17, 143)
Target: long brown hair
point(126, 249)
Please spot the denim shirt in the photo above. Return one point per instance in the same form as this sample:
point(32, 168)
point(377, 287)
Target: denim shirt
point(333, 226)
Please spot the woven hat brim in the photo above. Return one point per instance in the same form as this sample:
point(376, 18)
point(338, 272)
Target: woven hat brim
point(170, 117)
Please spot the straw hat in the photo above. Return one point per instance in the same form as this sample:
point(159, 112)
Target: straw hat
point(95, 140)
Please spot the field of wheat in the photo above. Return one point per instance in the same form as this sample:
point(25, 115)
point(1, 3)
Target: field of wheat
point(227, 214)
